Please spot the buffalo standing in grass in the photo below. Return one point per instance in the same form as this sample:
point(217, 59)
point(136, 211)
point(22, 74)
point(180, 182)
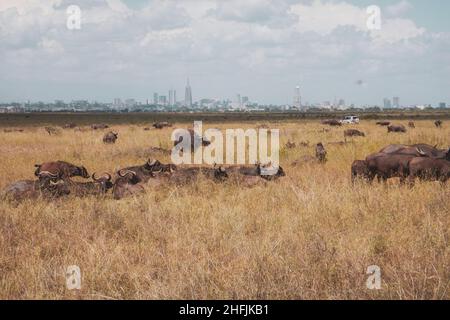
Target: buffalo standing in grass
point(321, 153)
point(429, 169)
point(383, 123)
point(417, 150)
point(360, 170)
point(389, 166)
point(110, 137)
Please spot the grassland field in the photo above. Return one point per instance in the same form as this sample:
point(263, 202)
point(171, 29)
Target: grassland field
point(309, 235)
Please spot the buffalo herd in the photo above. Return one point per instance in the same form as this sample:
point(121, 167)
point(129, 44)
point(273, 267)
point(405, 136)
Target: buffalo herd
point(54, 179)
point(407, 162)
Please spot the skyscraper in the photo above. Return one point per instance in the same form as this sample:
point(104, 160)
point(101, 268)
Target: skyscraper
point(171, 103)
point(387, 103)
point(297, 98)
point(188, 95)
point(155, 98)
point(396, 102)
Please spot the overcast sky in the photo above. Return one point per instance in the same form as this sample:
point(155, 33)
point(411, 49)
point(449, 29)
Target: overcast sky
point(258, 48)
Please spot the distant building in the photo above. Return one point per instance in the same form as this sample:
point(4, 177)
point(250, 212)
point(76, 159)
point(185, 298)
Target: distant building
point(188, 95)
point(130, 103)
point(155, 98)
point(442, 105)
point(117, 103)
point(396, 102)
point(297, 98)
point(163, 100)
point(387, 103)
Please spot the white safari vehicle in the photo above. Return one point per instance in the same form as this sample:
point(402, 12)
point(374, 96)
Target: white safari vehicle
point(350, 120)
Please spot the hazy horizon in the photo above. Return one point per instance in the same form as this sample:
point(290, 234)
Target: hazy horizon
point(261, 49)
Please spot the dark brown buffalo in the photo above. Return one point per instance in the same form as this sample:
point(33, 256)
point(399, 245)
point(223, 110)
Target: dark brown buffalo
point(161, 125)
point(110, 137)
point(429, 169)
point(389, 166)
point(417, 150)
point(194, 137)
point(51, 130)
point(145, 172)
point(62, 170)
point(29, 189)
point(190, 175)
point(438, 123)
point(291, 145)
point(12, 130)
point(98, 126)
point(360, 170)
point(332, 122)
point(383, 123)
point(353, 133)
point(98, 186)
point(321, 153)
point(397, 128)
point(69, 126)
point(127, 184)
point(411, 125)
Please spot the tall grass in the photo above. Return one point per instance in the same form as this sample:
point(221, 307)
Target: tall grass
point(310, 235)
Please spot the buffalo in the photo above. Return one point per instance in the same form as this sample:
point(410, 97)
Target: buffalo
point(332, 122)
point(98, 126)
point(438, 123)
point(62, 170)
point(353, 133)
point(360, 169)
point(161, 125)
point(417, 150)
point(110, 137)
point(429, 169)
point(383, 123)
point(145, 172)
point(321, 153)
point(389, 166)
point(194, 136)
point(51, 131)
point(127, 184)
point(29, 189)
point(397, 128)
point(291, 145)
point(98, 186)
point(69, 126)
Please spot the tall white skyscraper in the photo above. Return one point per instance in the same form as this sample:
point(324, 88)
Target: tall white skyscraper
point(297, 98)
point(171, 95)
point(188, 95)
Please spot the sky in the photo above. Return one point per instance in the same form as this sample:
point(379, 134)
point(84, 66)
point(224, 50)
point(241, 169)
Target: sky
point(257, 48)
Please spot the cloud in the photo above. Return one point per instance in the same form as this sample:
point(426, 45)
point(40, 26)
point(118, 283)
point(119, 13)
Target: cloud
point(260, 46)
point(399, 8)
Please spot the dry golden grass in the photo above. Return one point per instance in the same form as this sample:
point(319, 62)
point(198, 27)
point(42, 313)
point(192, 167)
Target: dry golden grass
point(310, 235)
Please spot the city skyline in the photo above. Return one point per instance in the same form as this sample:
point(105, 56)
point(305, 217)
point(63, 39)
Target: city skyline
point(263, 48)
